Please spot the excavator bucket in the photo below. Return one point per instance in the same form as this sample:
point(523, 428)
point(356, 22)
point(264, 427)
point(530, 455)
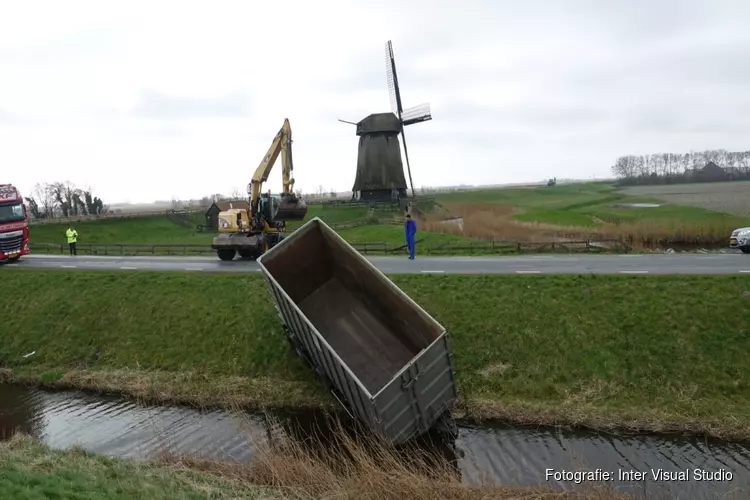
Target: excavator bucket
point(291, 209)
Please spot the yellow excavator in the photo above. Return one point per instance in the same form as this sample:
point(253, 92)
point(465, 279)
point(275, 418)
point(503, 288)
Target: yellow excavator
point(250, 233)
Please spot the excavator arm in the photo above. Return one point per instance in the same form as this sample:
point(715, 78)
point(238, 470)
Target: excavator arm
point(282, 144)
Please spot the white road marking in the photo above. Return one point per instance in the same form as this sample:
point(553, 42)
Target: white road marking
point(745, 270)
point(129, 268)
point(193, 269)
point(630, 255)
point(528, 272)
point(633, 272)
point(428, 271)
point(68, 267)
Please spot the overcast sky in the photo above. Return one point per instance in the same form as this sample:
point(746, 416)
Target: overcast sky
point(150, 100)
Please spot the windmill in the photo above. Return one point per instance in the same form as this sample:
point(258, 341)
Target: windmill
point(380, 170)
point(417, 114)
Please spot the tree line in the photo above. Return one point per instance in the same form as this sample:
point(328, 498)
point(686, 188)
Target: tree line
point(672, 168)
point(63, 199)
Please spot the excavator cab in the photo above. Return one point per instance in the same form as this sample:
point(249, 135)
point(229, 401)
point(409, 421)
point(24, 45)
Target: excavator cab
point(281, 208)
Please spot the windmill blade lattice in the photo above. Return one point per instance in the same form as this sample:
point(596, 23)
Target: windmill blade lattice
point(416, 114)
point(390, 72)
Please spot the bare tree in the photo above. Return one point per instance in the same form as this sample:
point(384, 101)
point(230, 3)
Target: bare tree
point(45, 199)
point(665, 168)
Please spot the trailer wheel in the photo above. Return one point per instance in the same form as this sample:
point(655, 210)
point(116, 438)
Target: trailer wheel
point(246, 254)
point(298, 350)
point(447, 426)
point(226, 253)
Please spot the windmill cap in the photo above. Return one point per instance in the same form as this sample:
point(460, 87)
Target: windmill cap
point(379, 123)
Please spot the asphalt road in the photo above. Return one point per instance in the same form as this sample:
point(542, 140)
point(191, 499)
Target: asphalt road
point(526, 264)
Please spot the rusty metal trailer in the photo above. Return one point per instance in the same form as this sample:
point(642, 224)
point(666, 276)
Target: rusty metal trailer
point(384, 358)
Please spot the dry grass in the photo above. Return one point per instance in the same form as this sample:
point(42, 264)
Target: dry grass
point(646, 234)
point(182, 388)
point(727, 197)
point(495, 222)
point(347, 465)
point(30, 470)
point(491, 221)
point(353, 467)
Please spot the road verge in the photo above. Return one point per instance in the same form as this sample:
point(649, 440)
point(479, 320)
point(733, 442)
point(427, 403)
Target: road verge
point(636, 353)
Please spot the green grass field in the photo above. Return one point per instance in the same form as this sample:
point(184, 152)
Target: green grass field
point(160, 230)
point(580, 204)
point(594, 208)
point(658, 353)
point(578, 211)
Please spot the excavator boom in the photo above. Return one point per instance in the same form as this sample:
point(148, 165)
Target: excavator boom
point(282, 144)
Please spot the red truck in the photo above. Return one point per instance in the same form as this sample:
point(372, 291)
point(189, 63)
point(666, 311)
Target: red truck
point(14, 224)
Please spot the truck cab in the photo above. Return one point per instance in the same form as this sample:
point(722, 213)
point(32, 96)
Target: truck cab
point(740, 238)
point(14, 224)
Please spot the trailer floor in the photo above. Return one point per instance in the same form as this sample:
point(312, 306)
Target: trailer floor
point(366, 344)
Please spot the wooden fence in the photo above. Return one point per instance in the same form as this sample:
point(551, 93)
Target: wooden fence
point(368, 248)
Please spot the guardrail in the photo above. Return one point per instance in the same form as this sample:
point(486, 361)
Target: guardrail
point(368, 248)
point(87, 218)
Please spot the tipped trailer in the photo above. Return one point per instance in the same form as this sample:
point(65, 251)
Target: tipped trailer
point(384, 358)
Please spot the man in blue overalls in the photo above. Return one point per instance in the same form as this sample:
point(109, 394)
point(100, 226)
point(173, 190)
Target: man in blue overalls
point(410, 229)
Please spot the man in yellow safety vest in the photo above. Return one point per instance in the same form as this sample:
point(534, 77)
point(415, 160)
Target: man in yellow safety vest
point(72, 236)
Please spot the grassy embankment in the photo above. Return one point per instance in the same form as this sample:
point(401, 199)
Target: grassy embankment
point(583, 210)
point(30, 470)
point(160, 230)
point(660, 353)
point(577, 211)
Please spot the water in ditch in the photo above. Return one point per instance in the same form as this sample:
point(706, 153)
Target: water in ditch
point(498, 454)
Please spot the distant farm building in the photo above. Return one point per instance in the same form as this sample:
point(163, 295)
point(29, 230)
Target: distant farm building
point(212, 214)
point(711, 172)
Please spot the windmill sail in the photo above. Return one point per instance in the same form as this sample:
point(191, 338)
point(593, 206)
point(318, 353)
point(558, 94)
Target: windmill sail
point(413, 115)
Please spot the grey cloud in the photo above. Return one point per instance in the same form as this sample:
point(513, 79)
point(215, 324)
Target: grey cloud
point(152, 104)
